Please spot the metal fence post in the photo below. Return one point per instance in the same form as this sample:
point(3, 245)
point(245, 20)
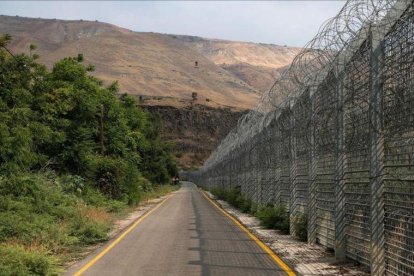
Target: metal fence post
point(377, 161)
point(340, 242)
point(256, 171)
point(312, 211)
point(260, 165)
point(272, 169)
point(277, 168)
point(293, 173)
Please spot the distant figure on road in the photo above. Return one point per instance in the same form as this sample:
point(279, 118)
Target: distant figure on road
point(176, 180)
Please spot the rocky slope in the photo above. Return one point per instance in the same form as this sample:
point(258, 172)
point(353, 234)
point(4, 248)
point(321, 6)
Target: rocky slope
point(195, 130)
point(143, 63)
point(164, 71)
point(257, 64)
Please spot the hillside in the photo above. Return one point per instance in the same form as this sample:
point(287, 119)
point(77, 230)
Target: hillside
point(160, 70)
point(195, 131)
point(257, 64)
point(143, 63)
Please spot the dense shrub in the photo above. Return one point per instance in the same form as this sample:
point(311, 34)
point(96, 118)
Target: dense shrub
point(301, 227)
point(219, 193)
point(234, 197)
point(58, 214)
point(270, 216)
point(49, 215)
point(245, 204)
point(119, 179)
point(282, 223)
point(253, 209)
point(51, 119)
point(109, 174)
point(90, 225)
point(60, 189)
point(18, 260)
point(274, 218)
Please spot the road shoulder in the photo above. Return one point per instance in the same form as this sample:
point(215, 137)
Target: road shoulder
point(304, 258)
point(120, 228)
point(281, 263)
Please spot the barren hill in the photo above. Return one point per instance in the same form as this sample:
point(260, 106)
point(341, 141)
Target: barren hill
point(144, 63)
point(160, 68)
point(257, 64)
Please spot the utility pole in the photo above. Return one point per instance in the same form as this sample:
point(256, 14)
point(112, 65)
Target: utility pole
point(101, 132)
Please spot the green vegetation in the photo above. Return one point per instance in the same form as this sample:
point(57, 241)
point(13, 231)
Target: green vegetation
point(234, 197)
point(18, 260)
point(73, 157)
point(272, 217)
point(301, 227)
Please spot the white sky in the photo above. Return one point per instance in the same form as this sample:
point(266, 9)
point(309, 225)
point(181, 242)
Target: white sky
point(290, 23)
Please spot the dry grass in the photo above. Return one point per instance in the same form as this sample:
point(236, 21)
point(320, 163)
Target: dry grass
point(99, 215)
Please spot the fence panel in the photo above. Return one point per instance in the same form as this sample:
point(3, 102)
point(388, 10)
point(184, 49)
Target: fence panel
point(357, 85)
point(340, 149)
point(398, 103)
point(325, 131)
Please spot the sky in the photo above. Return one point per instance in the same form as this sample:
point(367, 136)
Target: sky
point(291, 23)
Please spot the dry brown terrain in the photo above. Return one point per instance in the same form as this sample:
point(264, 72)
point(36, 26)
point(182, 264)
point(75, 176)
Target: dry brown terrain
point(160, 70)
point(259, 77)
point(144, 63)
point(257, 64)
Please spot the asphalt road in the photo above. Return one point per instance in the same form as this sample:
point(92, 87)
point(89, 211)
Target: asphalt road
point(187, 236)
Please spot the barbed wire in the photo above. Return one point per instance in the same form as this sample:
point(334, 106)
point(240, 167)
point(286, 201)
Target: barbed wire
point(321, 56)
point(334, 138)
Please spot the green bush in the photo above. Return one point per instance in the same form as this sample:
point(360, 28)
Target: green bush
point(253, 209)
point(109, 174)
point(71, 183)
point(300, 224)
point(219, 193)
point(134, 185)
point(60, 221)
point(50, 119)
point(118, 179)
point(17, 260)
point(274, 218)
point(282, 222)
point(268, 216)
point(50, 124)
point(47, 214)
point(233, 197)
point(89, 230)
point(245, 204)
point(93, 197)
point(19, 186)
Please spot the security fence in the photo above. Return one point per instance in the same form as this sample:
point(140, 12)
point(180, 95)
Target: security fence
point(340, 147)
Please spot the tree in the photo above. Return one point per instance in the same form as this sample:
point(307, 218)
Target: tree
point(53, 118)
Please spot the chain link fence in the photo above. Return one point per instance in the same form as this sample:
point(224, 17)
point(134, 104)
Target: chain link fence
point(340, 147)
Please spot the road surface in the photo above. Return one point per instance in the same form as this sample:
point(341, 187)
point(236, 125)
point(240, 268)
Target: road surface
point(186, 235)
